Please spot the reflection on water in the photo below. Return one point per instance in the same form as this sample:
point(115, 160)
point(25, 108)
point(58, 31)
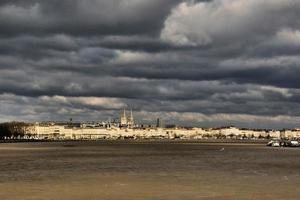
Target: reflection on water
point(148, 170)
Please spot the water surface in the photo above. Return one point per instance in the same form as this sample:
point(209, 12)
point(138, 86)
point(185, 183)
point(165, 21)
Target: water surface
point(147, 170)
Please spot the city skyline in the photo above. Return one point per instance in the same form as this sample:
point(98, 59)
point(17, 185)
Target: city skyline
point(125, 120)
point(190, 62)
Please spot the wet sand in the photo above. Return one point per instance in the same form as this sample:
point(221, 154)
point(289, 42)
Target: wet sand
point(148, 170)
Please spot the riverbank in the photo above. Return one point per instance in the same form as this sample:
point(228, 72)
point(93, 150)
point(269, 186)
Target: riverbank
point(244, 141)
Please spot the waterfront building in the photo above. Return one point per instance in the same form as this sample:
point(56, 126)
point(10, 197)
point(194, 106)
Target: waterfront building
point(293, 133)
point(93, 130)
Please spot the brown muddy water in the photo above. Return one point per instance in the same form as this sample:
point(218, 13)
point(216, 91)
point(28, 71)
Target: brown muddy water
point(122, 170)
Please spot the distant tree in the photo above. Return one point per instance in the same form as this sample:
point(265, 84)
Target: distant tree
point(206, 135)
point(260, 137)
point(4, 131)
point(220, 136)
point(13, 130)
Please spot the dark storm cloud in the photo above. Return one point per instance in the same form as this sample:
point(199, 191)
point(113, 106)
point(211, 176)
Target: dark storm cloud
point(91, 17)
point(135, 43)
point(207, 61)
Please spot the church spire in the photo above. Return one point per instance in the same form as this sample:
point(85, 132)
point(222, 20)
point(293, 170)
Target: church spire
point(124, 113)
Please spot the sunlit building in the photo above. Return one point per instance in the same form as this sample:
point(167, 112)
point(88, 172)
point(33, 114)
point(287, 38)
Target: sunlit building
point(126, 121)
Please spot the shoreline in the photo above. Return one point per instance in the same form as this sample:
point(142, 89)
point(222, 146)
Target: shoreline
point(217, 141)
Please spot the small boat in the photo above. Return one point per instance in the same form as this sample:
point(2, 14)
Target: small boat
point(283, 143)
point(293, 143)
point(274, 143)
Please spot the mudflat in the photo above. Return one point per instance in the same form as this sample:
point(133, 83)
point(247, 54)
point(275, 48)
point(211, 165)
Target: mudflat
point(148, 170)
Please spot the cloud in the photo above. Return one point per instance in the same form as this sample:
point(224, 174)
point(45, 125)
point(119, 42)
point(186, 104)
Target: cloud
point(223, 22)
point(93, 108)
point(191, 62)
point(91, 17)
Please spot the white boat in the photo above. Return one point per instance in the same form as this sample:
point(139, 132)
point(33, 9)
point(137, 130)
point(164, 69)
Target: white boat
point(294, 143)
point(274, 143)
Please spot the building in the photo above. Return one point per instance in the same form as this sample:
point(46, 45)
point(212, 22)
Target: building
point(159, 123)
point(127, 129)
point(292, 133)
point(126, 121)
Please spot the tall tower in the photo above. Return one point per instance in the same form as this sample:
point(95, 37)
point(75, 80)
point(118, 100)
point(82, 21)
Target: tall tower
point(123, 119)
point(159, 123)
point(130, 121)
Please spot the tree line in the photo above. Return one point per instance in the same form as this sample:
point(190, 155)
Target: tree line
point(12, 130)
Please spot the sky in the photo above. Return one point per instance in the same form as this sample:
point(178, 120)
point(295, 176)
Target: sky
point(201, 63)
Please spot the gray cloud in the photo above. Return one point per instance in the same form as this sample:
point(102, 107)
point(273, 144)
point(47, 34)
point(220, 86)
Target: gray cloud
point(91, 17)
point(191, 62)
